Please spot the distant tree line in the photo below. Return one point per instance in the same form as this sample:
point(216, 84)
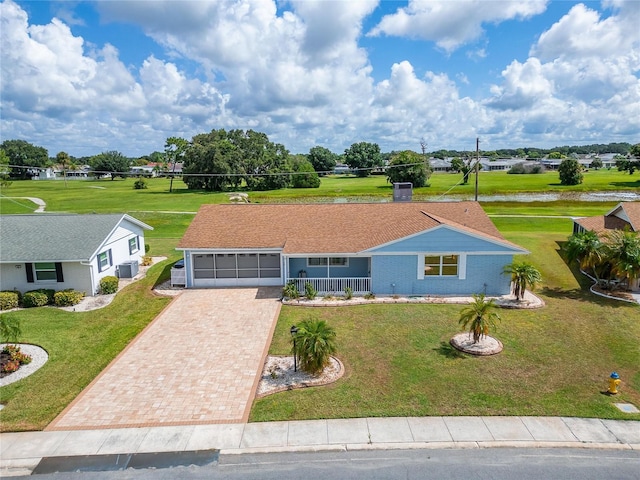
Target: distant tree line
point(225, 160)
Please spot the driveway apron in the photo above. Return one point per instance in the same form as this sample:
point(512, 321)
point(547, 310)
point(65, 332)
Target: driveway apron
point(198, 362)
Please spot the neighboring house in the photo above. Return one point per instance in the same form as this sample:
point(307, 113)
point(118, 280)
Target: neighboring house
point(625, 215)
point(386, 248)
point(68, 251)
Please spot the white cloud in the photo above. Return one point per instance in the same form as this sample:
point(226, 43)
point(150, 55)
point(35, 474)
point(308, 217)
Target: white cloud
point(580, 80)
point(301, 76)
point(451, 24)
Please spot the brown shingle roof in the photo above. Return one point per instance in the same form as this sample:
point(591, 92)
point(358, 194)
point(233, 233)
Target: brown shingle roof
point(328, 228)
point(610, 221)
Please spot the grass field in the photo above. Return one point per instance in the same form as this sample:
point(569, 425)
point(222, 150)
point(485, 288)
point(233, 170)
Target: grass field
point(556, 359)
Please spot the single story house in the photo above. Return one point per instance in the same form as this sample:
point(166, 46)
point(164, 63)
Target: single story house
point(624, 215)
point(408, 248)
point(68, 251)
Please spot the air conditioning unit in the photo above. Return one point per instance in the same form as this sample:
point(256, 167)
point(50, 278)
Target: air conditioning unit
point(128, 269)
point(402, 191)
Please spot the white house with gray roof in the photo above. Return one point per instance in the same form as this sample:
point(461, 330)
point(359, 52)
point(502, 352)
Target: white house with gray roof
point(68, 251)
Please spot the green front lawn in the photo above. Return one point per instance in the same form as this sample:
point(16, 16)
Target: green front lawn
point(80, 345)
point(398, 361)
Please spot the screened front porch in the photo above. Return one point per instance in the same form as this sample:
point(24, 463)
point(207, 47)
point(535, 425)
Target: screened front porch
point(331, 275)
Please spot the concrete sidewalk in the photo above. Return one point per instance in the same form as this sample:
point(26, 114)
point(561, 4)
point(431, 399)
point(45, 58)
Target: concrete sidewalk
point(21, 452)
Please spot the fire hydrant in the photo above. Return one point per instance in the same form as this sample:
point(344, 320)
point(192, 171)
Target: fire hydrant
point(614, 381)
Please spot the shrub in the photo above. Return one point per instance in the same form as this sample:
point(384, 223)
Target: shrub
point(11, 366)
point(108, 285)
point(369, 296)
point(147, 247)
point(140, 184)
point(290, 290)
point(48, 292)
point(146, 261)
point(34, 298)
point(9, 300)
point(348, 293)
point(16, 355)
point(309, 291)
point(67, 298)
point(517, 169)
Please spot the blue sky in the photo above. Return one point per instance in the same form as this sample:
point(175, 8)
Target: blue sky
point(85, 77)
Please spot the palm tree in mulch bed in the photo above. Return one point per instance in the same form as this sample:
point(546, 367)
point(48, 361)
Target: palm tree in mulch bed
point(313, 344)
point(479, 317)
point(523, 276)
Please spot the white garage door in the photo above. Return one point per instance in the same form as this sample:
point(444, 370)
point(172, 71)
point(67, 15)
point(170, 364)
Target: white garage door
point(236, 269)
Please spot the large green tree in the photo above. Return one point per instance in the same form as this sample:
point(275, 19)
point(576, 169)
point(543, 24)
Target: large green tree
point(23, 155)
point(110, 162)
point(363, 157)
point(221, 160)
point(208, 162)
point(570, 172)
point(408, 166)
point(322, 159)
point(632, 162)
point(305, 176)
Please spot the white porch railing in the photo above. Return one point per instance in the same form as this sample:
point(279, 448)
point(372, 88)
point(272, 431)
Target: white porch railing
point(359, 285)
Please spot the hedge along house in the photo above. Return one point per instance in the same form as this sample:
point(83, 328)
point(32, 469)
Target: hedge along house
point(384, 248)
point(68, 251)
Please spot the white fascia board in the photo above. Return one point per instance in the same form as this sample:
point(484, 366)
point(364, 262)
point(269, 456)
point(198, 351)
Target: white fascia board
point(452, 252)
point(230, 250)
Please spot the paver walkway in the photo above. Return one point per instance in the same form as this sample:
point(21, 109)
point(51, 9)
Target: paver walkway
point(198, 362)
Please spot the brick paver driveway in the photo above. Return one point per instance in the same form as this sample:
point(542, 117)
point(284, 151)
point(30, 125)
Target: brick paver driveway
point(198, 362)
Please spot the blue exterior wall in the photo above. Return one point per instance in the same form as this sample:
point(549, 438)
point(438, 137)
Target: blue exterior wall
point(443, 240)
point(398, 274)
point(358, 267)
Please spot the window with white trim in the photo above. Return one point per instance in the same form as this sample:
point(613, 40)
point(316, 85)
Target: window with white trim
point(332, 261)
point(441, 265)
point(45, 271)
point(104, 260)
point(134, 244)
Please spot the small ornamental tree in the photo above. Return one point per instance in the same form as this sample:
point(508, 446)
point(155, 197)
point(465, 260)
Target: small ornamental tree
point(479, 317)
point(570, 172)
point(9, 329)
point(313, 345)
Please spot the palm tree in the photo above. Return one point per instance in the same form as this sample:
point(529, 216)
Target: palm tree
point(523, 275)
point(588, 249)
point(314, 343)
point(623, 252)
point(479, 317)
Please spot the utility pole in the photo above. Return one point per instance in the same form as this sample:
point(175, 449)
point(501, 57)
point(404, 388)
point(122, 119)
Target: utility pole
point(477, 164)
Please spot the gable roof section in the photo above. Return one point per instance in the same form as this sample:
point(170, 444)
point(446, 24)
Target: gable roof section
point(625, 214)
point(329, 228)
point(52, 237)
point(629, 211)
